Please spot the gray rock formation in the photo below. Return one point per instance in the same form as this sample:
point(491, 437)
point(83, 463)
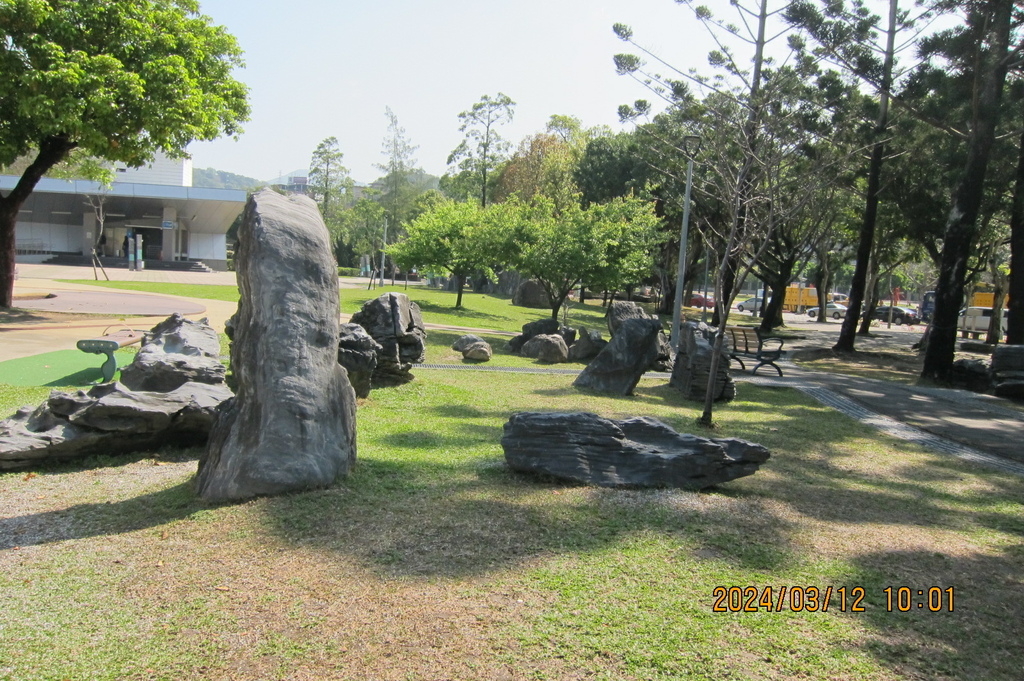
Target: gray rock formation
point(396, 324)
point(693, 365)
point(621, 364)
point(292, 424)
point(531, 329)
point(357, 352)
point(174, 352)
point(1007, 370)
point(621, 310)
point(462, 342)
point(636, 452)
point(549, 348)
point(587, 346)
point(531, 294)
point(109, 419)
point(970, 374)
point(479, 351)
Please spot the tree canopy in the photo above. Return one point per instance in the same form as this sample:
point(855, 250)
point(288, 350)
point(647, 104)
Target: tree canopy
point(117, 80)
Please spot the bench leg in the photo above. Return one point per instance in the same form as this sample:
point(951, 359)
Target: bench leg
point(109, 367)
point(771, 364)
point(738, 361)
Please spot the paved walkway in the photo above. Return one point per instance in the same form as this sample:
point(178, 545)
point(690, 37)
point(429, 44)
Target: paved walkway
point(975, 427)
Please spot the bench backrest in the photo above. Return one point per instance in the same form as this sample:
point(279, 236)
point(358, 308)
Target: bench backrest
point(743, 339)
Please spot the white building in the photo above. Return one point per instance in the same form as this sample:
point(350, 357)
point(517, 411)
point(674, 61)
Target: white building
point(177, 222)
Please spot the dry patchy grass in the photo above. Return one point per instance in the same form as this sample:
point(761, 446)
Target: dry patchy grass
point(433, 561)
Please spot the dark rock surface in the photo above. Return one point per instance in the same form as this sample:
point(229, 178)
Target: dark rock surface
point(1007, 370)
point(531, 294)
point(636, 452)
point(292, 423)
point(174, 352)
point(531, 329)
point(109, 419)
point(357, 352)
point(588, 345)
point(970, 374)
point(396, 324)
point(549, 348)
point(693, 365)
point(621, 364)
point(621, 310)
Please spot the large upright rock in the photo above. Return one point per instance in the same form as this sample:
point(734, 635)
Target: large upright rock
point(174, 352)
point(621, 364)
point(636, 452)
point(531, 294)
point(292, 424)
point(396, 324)
point(693, 365)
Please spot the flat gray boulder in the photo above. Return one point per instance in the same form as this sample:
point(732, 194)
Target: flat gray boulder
point(621, 364)
point(174, 352)
point(109, 419)
point(462, 342)
point(396, 324)
point(636, 452)
point(1007, 370)
point(292, 424)
point(357, 352)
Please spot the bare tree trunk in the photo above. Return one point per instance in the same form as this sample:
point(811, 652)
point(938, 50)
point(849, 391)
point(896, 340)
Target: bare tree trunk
point(1015, 321)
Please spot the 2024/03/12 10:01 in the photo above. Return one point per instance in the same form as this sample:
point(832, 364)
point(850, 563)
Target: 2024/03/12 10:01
point(818, 599)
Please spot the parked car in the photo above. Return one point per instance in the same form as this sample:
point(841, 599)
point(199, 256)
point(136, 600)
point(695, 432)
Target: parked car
point(974, 321)
point(750, 305)
point(833, 310)
point(900, 315)
point(700, 300)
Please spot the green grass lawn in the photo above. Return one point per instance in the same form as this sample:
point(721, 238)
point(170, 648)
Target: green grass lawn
point(480, 311)
point(432, 560)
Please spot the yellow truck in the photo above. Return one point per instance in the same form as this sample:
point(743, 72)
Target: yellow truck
point(799, 299)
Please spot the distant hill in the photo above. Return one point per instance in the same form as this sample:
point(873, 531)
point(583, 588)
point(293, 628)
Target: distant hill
point(221, 179)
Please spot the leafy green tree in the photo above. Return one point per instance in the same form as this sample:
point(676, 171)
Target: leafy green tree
point(450, 236)
point(483, 147)
point(328, 178)
point(117, 80)
point(605, 245)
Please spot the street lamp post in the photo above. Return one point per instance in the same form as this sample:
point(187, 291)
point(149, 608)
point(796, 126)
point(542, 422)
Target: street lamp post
point(691, 144)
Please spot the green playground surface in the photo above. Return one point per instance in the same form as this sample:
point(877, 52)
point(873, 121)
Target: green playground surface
point(60, 368)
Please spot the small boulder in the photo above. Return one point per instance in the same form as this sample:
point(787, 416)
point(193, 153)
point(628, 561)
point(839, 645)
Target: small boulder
point(531, 329)
point(549, 348)
point(587, 346)
point(1007, 370)
point(477, 352)
point(462, 342)
point(396, 324)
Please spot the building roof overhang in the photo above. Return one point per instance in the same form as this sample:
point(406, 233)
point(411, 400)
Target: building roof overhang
point(127, 204)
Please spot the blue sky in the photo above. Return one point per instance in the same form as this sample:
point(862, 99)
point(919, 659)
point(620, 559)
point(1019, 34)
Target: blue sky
point(330, 67)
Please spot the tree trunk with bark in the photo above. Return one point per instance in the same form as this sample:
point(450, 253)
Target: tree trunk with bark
point(1015, 316)
point(961, 224)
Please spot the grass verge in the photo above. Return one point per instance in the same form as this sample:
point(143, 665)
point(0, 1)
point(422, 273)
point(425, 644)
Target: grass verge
point(433, 561)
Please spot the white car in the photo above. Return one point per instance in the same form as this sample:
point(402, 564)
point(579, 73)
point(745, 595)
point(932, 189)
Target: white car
point(833, 310)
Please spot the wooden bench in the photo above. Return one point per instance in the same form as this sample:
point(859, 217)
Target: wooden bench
point(746, 342)
point(107, 344)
